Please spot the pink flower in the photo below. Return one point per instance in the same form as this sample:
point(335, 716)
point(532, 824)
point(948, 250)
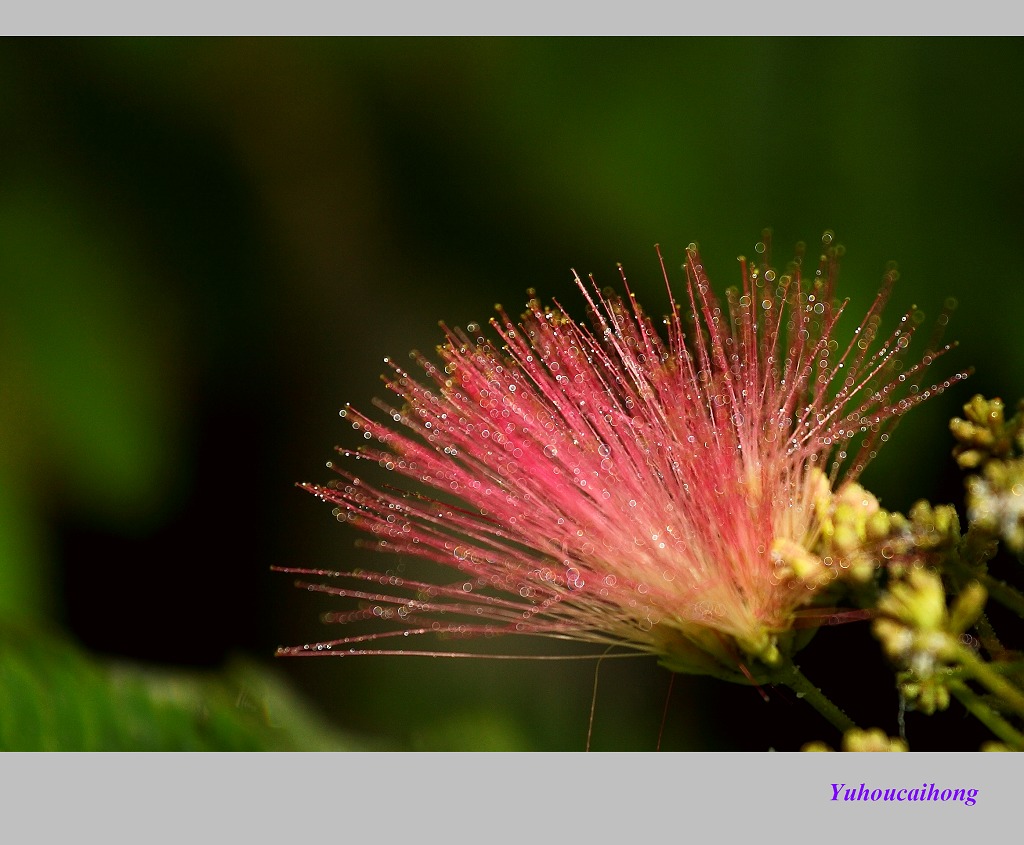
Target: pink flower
point(601, 484)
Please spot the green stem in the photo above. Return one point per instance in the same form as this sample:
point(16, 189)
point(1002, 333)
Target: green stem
point(1002, 592)
point(987, 635)
point(987, 716)
point(789, 674)
point(988, 677)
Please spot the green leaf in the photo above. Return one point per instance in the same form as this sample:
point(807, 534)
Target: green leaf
point(54, 697)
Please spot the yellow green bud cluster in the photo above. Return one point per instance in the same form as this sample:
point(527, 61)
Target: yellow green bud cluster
point(926, 531)
point(928, 695)
point(985, 434)
point(857, 739)
point(934, 527)
point(849, 527)
point(977, 547)
point(872, 739)
point(854, 536)
point(920, 635)
point(993, 446)
point(851, 530)
point(995, 501)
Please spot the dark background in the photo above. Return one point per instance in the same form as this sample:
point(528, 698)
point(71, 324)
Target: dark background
point(208, 246)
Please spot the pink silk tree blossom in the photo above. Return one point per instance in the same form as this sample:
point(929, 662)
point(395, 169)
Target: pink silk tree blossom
point(602, 482)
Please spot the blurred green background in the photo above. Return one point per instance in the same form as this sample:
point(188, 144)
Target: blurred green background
point(208, 246)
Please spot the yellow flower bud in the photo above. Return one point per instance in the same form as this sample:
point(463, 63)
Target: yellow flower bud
point(872, 739)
